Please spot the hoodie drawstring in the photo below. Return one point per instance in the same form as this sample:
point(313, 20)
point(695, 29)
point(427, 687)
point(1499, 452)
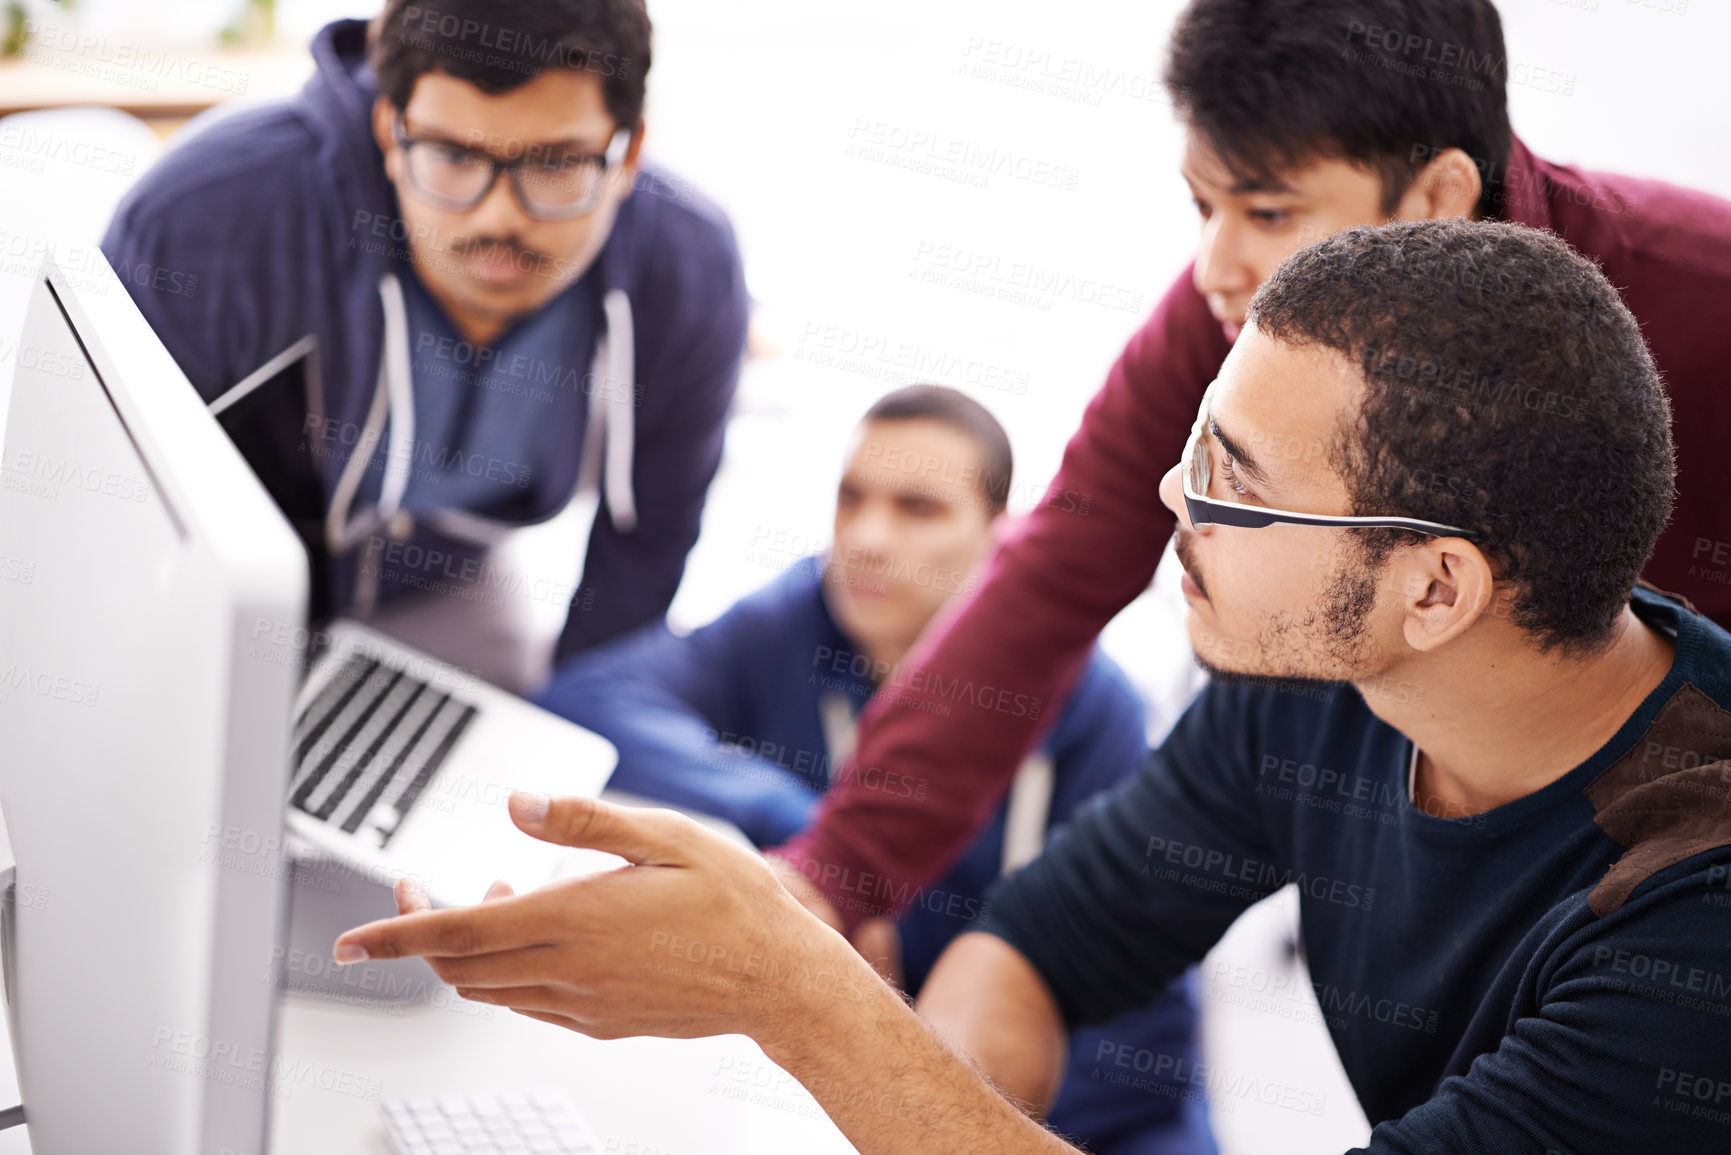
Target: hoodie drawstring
point(616, 367)
point(395, 366)
point(609, 439)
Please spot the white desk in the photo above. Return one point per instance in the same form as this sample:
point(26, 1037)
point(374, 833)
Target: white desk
point(642, 1096)
point(336, 1063)
point(338, 1059)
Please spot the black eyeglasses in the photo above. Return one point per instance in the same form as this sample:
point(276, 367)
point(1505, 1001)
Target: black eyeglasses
point(1204, 510)
point(551, 185)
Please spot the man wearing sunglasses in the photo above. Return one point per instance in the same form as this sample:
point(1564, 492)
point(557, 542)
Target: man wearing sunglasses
point(1301, 118)
point(513, 321)
point(1497, 769)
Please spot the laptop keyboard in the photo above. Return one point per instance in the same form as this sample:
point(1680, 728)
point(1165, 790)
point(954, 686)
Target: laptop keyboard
point(368, 744)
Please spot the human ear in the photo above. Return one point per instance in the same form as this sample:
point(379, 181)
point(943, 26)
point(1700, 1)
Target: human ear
point(383, 113)
point(633, 153)
point(1447, 186)
point(1445, 586)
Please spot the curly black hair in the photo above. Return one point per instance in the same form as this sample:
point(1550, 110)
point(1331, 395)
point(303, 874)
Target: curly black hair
point(1508, 391)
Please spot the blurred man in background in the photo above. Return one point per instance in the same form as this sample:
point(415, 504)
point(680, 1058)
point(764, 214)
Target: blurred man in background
point(749, 717)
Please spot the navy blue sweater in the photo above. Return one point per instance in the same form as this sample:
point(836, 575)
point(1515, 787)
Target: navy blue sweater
point(270, 223)
point(728, 720)
point(1553, 975)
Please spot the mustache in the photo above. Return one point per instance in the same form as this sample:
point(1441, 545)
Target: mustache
point(515, 248)
point(1185, 547)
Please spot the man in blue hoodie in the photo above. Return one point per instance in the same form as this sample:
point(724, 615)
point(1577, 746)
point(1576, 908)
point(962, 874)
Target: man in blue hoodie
point(748, 717)
point(510, 318)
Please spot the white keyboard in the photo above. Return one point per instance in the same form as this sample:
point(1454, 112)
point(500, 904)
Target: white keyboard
point(539, 1122)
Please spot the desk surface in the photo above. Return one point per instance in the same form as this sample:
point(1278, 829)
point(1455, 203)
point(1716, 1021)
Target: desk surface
point(337, 1061)
point(338, 1058)
point(642, 1096)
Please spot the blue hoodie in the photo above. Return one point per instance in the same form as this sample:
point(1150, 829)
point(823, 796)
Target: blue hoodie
point(266, 225)
point(739, 719)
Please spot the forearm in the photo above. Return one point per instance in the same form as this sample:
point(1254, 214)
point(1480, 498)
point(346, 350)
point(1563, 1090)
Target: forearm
point(888, 1082)
point(990, 1004)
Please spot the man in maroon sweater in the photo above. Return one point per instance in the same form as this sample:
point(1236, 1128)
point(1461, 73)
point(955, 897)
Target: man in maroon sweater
point(1303, 117)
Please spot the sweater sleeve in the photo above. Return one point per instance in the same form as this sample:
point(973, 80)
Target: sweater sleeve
point(667, 703)
point(1621, 1043)
point(1084, 554)
point(1144, 879)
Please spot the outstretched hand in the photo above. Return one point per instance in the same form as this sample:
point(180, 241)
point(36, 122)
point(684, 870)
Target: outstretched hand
point(695, 937)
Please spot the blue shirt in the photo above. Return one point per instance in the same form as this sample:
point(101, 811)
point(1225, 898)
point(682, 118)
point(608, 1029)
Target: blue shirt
point(729, 720)
point(492, 422)
point(1553, 975)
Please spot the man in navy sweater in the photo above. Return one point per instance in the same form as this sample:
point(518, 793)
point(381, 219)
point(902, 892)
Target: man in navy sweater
point(1301, 118)
point(511, 317)
point(750, 716)
point(1497, 769)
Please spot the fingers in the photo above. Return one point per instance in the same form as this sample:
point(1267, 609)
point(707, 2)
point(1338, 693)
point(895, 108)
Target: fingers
point(541, 999)
point(556, 1020)
point(550, 1006)
point(499, 889)
point(410, 897)
point(642, 837)
point(501, 969)
point(500, 925)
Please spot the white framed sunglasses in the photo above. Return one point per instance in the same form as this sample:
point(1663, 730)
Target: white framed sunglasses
point(1204, 510)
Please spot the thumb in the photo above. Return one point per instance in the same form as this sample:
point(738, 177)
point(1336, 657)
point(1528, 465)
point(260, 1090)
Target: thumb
point(643, 837)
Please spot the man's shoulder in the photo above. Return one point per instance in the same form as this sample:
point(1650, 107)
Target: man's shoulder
point(230, 200)
point(1673, 922)
point(1181, 326)
point(1103, 695)
point(792, 600)
point(763, 626)
point(682, 209)
point(783, 635)
point(681, 242)
point(1667, 798)
point(1703, 645)
point(246, 164)
point(1639, 227)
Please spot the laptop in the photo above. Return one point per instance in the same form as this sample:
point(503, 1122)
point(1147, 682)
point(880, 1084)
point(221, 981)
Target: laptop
point(400, 765)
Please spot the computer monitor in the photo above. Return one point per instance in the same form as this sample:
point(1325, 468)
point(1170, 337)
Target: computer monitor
point(143, 741)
